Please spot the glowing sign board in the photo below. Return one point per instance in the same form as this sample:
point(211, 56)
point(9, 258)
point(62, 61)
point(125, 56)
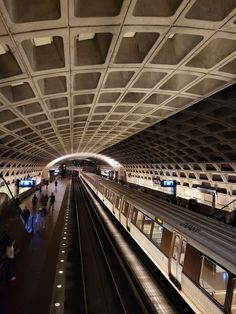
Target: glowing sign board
point(28, 183)
point(168, 183)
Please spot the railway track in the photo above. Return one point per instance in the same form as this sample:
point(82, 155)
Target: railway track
point(103, 282)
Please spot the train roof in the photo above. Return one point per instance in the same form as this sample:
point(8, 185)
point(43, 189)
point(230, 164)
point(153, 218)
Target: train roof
point(215, 239)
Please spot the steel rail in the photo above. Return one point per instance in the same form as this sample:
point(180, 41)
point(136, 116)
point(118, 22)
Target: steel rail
point(131, 279)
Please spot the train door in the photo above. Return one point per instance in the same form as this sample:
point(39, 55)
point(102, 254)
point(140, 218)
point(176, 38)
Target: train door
point(115, 203)
point(177, 258)
point(128, 217)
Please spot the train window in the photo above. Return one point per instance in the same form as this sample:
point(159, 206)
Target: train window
point(182, 254)
point(134, 215)
point(233, 306)
point(157, 234)
point(112, 196)
point(130, 212)
point(100, 188)
point(176, 247)
point(147, 226)
point(139, 221)
point(214, 280)
point(125, 209)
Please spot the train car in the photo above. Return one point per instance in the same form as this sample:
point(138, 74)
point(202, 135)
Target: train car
point(195, 253)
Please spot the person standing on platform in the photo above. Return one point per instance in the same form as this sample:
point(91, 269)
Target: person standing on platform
point(34, 202)
point(25, 215)
point(46, 183)
point(42, 200)
point(52, 201)
point(40, 186)
point(10, 260)
point(46, 200)
point(56, 184)
point(42, 213)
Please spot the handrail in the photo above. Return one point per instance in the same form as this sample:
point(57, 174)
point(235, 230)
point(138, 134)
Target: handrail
point(228, 204)
point(17, 205)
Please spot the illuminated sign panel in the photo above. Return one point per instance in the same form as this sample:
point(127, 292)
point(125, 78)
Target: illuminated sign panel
point(159, 220)
point(26, 183)
point(168, 183)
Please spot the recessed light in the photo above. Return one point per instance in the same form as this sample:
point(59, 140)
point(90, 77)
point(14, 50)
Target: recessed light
point(171, 35)
point(85, 36)
point(17, 84)
point(129, 34)
point(41, 41)
point(3, 49)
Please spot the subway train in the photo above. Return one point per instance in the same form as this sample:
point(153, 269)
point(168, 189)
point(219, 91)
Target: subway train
point(195, 253)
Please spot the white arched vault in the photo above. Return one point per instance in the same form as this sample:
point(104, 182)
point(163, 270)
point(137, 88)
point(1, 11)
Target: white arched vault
point(113, 163)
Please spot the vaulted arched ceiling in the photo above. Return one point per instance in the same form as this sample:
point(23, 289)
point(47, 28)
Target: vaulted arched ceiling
point(82, 76)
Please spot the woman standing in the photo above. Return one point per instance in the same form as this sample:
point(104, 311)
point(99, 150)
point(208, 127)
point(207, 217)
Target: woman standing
point(10, 260)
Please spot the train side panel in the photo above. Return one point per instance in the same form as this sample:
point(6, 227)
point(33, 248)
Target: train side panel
point(160, 259)
point(195, 296)
point(157, 240)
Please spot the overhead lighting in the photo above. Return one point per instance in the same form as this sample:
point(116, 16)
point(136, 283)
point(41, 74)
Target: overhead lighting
point(171, 35)
point(129, 34)
point(41, 41)
point(3, 49)
point(17, 84)
point(57, 304)
point(85, 36)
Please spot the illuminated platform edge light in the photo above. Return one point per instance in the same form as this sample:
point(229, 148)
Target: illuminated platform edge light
point(113, 163)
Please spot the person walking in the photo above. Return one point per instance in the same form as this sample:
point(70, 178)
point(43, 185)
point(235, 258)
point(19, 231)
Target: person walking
point(52, 201)
point(34, 202)
point(56, 184)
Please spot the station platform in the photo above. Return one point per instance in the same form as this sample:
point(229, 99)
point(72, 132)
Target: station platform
point(31, 291)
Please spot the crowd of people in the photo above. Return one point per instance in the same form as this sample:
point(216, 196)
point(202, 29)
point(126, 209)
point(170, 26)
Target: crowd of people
point(42, 205)
point(34, 219)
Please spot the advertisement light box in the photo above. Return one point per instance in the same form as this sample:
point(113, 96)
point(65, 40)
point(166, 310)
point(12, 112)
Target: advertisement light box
point(26, 183)
point(168, 183)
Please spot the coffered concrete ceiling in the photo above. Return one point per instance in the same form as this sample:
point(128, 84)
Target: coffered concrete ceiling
point(81, 76)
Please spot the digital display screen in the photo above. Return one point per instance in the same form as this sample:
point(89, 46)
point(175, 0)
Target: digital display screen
point(168, 183)
point(26, 183)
